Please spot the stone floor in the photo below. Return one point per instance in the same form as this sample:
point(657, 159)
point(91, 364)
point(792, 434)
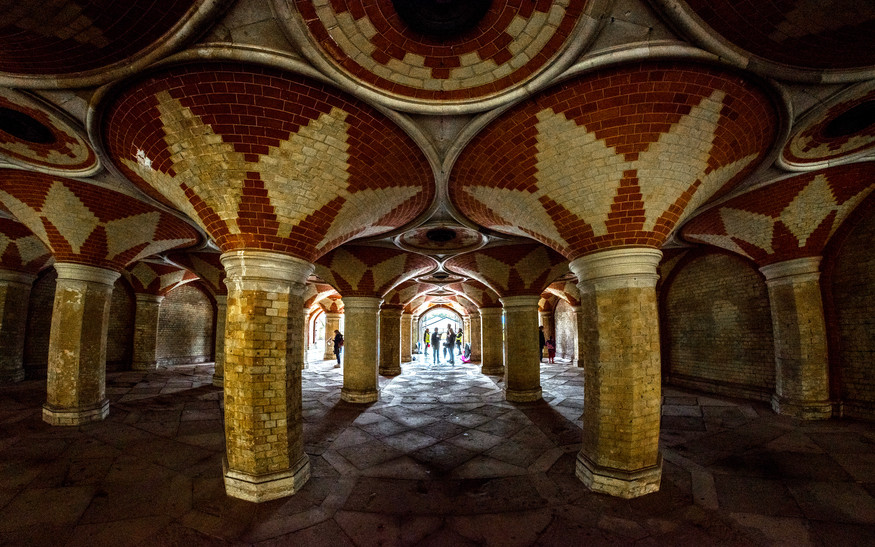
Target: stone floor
point(440, 460)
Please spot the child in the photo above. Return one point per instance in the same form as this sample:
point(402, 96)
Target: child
point(551, 350)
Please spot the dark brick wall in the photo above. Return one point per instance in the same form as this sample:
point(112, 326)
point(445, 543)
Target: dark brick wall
point(39, 324)
point(185, 327)
point(566, 330)
point(853, 294)
point(120, 334)
point(717, 327)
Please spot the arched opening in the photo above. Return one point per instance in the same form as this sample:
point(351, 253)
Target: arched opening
point(440, 318)
point(316, 329)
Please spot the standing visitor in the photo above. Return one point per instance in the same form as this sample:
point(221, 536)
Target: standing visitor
point(436, 345)
point(426, 337)
point(338, 346)
point(450, 344)
point(541, 342)
point(551, 350)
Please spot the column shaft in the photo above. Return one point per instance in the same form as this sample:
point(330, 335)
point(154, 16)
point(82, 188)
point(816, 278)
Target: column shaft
point(578, 337)
point(76, 382)
point(390, 341)
point(474, 338)
point(14, 299)
point(801, 357)
point(146, 332)
point(406, 337)
point(522, 365)
point(360, 349)
point(221, 316)
point(619, 454)
point(332, 323)
point(265, 456)
point(492, 341)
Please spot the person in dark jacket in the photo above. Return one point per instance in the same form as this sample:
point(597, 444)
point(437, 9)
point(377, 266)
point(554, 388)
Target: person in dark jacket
point(338, 346)
point(436, 345)
point(451, 344)
point(542, 341)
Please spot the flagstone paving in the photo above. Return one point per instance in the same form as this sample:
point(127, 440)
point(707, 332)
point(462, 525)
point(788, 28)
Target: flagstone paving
point(441, 459)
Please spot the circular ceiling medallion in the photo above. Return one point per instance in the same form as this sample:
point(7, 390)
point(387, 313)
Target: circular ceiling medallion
point(842, 129)
point(36, 135)
point(440, 239)
point(419, 55)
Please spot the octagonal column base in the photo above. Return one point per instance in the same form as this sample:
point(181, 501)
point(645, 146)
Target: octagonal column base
point(618, 482)
point(522, 396)
point(493, 371)
point(804, 410)
point(395, 371)
point(75, 416)
point(359, 396)
point(259, 488)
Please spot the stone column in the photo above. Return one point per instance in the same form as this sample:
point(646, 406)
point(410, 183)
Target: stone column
point(305, 333)
point(14, 300)
point(146, 332)
point(390, 341)
point(77, 345)
point(466, 331)
point(547, 322)
point(475, 337)
point(492, 341)
point(406, 337)
point(332, 323)
point(619, 454)
point(801, 359)
point(265, 456)
point(522, 366)
point(360, 349)
point(578, 338)
point(221, 313)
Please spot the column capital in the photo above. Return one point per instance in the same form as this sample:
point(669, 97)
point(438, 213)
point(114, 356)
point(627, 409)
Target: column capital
point(83, 272)
point(333, 314)
point(490, 312)
point(520, 301)
point(788, 271)
point(392, 312)
point(362, 303)
point(266, 265)
point(614, 268)
point(14, 276)
point(148, 297)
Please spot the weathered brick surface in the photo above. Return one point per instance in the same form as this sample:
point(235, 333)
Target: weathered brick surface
point(522, 364)
point(185, 327)
point(14, 298)
point(513, 42)
point(651, 143)
point(390, 341)
point(794, 32)
point(788, 219)
point(39, 323)
point(265, 159)
point(120, 332)
point(717, 327)
point(852, 291)
point(157, 276)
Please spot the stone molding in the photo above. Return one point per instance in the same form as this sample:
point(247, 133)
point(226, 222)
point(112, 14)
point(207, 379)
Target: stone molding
point(618, 268)
point(265, 265)
point(792, 271)
point(520, 301)
point(83, 272)
point(16, 277)
point(259, 488)
point(149, 298)
point(618, 482)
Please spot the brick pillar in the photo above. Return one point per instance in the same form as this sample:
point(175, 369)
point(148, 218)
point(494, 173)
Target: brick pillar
point(221, 314)
point(390, 341)
point(77, 345)
point(360, 349)
point(265, 456)
point(146, 332)
point(14, 300)
point(547, 321)
point(619, 454)
point(406, 337)
point(578, 338)
point(522, 366)
point(801, 359)
point(466, 331)
point(474, 338)
point(332, 323)
point(305, 335)
point(492, 343)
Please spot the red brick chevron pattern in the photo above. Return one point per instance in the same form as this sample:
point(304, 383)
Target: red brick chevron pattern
point(75, 152)
point(206, 266)
point(404, 293)
point(813, 144)
point(509, 270)
point(791, 218)
point(357, 270)
point(317, 293)
point(625, 110)
point(160, 284)
point(149, 230)
point(394, 40)
point(802, 33)
point(34, 38)
point(566, 290)
point(477, 292)
point(20, 250)
point(332, 304)
point(255, 110)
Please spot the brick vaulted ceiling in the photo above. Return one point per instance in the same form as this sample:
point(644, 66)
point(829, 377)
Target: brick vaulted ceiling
point(471, 151)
